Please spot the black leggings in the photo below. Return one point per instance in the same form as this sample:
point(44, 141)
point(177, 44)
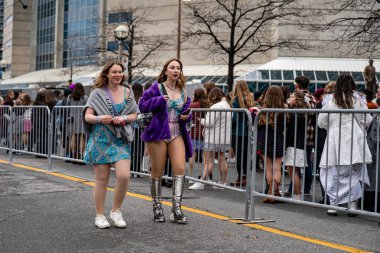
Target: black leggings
point(240, 147)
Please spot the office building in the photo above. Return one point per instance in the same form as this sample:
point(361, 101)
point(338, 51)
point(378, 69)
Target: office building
point(54, 34)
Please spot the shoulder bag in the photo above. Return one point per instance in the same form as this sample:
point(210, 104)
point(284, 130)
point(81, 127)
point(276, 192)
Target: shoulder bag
point(127, 132)
point(144, 119)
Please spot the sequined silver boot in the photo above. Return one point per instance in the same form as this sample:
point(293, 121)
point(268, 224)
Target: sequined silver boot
point(177, 214)
point(155, 190)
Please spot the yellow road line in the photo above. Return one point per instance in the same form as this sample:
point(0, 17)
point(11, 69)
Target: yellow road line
point(204, 213)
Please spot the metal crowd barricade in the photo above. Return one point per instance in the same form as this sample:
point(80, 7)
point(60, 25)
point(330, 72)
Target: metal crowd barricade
point(139, 166)
point(68, 138)
point(221, 139)
point(28, 130)
point(6, 125)
point(372, 137)
point(34, 130)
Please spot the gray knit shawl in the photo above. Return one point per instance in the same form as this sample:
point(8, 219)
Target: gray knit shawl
point(102, 105)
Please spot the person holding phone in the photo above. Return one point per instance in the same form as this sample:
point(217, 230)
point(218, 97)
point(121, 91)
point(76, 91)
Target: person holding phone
point(167, 135)
point(187, 112)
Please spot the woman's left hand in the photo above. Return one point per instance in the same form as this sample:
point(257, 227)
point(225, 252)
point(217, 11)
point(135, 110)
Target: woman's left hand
point(118, 120)
point(184, 117)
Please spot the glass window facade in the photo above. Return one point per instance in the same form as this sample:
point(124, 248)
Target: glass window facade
point(80, 32)
point(288, 75)
point(119, 17)
point(358, 76)
point(321, 75)
point(114, 45)
point(275, 75)
point(45, 34)
point(259, 79)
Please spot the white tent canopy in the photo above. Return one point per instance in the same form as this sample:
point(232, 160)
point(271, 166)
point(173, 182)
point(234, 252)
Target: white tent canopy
point(87, 74)
point(313, 64)
point(49, 76)
point(318, 64)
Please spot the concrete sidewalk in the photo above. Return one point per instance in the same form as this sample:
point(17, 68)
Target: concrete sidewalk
point(46, 212)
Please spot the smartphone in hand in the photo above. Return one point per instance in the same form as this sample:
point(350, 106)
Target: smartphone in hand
point(187, 112)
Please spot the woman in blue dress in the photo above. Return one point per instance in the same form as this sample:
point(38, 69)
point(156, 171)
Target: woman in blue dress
point(108, 114)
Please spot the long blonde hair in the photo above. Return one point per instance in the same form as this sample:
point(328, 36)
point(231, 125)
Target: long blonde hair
point(102, 79)
point(242, 94)
point(181, 82)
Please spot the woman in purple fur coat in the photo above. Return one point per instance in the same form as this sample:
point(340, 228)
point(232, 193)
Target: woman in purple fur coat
point(167, 135)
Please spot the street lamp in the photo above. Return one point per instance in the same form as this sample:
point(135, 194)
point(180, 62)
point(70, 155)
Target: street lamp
point(179, 28)
point(121, 34)
point(3, 66)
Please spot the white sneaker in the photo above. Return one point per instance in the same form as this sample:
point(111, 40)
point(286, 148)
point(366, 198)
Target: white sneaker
point(216, 161)
point(219, 188)
point(197, 186)
point(231, 160)
point(296, 197)
point(117, 219)
point(101, 221)
point(353, 205)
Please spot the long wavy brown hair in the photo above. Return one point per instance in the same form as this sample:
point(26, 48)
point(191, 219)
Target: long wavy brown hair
point(344, 90)
point(201, 97)
point(181, 82)
point(273, 99)
point(102, 79)
point(300, 100)
point(243, 95)
point(209, 86)
point(216, 95)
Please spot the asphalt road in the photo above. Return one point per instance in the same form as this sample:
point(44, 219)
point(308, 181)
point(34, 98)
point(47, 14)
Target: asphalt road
point(52, 212)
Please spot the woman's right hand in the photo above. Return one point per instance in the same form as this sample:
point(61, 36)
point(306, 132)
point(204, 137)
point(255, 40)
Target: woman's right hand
point(106, 119)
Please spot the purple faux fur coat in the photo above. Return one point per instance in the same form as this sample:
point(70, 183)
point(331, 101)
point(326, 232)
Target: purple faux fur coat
point(152, 101)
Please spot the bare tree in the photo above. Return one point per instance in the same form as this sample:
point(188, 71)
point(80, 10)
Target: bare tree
point(147, 45)
point(74, 63)
point(354, 23)
point(237, 30)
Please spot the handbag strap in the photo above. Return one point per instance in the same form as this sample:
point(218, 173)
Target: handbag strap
point(112, 101)
point(163, 89)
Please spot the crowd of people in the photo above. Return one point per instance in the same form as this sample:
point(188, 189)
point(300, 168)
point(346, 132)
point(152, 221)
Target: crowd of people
point(30, 120)
point(102, 132)
point(343, 157)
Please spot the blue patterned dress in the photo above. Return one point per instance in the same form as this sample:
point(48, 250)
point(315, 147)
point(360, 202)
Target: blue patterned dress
point(103, 147)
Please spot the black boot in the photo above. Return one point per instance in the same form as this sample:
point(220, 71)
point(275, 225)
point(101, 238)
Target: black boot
point(177, 214)
point(155, 189)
